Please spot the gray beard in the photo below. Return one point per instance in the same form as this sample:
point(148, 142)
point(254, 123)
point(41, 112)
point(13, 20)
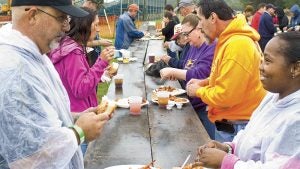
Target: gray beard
point(54, 44)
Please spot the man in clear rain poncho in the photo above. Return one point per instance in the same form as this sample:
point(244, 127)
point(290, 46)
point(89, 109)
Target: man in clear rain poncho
point(36, 126)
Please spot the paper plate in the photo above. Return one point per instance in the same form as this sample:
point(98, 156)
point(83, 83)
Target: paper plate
point(130, 59)
point(181, 100)
point(175, 92)
point(124, 103)
point(184, 101)
point(127, 167)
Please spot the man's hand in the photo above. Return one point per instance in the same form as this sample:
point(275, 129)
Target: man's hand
point(92, 124)
point(108, 53)
point(76, 115)
point(194, 84)
point(200, 82)
point(192, 87)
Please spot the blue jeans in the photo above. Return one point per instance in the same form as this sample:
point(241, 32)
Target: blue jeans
point(83, 147)
point(222, 136)
point(208, 125)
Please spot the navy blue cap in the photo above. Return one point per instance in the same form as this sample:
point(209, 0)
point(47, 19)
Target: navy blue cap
point(64, 6)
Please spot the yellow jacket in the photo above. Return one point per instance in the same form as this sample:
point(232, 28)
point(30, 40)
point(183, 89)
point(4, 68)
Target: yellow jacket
point(234, 89)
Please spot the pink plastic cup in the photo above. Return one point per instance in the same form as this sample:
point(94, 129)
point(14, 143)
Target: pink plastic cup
point(135, 104)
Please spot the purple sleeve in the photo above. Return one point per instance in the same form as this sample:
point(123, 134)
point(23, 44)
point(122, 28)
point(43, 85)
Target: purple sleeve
point(82, 79)
point(202, 67)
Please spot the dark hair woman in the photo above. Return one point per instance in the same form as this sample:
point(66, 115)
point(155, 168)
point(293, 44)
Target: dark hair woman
point(170, 8)
point(271, 138)
point(167, 30)
point(71, 62)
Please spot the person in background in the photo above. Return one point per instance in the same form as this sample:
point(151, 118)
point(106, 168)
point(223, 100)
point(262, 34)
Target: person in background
point(248, 12)
point(283, 20)
point(181, 45)
point(98, 41)
point(92, 4)
point(197, 64)
point(256, 18)
point(168, 31)
point(295, 20)
point(266, 26)
point(186, 7)
point(233, 89)
point(37, 128)
point(271, 138)
point(126, 30)
point(71, 62)
point(175, 46)
point(170, 8)
point(275, 19)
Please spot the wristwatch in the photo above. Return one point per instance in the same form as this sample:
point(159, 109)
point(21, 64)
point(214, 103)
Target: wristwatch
point(80, 133)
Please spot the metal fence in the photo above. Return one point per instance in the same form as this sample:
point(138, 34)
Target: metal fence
point(150, 9)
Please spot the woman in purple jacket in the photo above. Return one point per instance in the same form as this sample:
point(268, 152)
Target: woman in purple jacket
point(197, 64)
point(72, 63)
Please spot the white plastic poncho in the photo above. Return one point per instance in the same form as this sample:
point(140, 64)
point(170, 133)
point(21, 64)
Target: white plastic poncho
point(271, 140)
point(34, 110)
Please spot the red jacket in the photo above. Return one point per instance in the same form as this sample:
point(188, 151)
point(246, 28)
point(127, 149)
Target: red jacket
point(255, 20)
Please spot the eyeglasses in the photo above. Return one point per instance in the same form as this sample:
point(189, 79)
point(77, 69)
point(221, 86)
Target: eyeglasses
point(60, 19)
point(188, 33)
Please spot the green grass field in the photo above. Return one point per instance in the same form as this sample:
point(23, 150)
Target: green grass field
point(103, 87)
point(102, 90)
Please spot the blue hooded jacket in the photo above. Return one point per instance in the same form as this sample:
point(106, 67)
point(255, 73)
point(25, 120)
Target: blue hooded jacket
point(126, 31)
point(295, 20)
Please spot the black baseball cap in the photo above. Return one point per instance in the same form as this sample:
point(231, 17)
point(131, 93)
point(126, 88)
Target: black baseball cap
point(64, 6)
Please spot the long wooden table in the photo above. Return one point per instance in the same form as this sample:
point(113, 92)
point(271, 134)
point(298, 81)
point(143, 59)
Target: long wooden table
point(167, 136)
